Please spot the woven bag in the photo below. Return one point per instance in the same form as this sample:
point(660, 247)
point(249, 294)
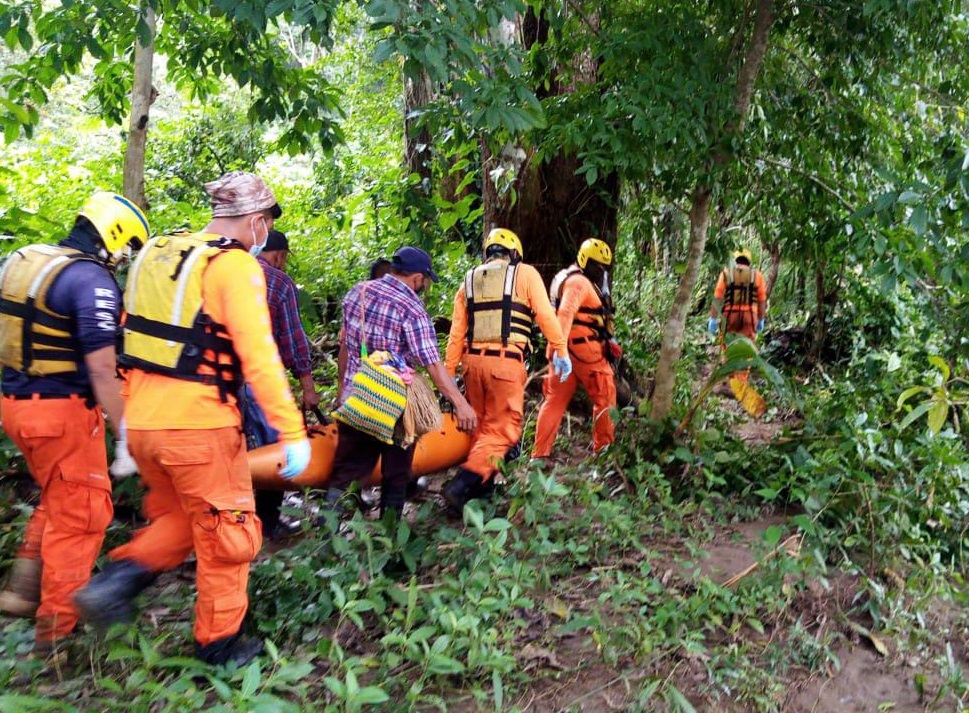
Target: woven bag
point(377, 394)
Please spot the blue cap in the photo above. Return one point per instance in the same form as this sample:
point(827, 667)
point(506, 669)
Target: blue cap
point(409, 259)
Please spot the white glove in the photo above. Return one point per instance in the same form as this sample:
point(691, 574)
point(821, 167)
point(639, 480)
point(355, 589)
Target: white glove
point(123, 465)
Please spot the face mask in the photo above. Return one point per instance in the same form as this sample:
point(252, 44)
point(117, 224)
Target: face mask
point(256, 248)
point(605, 283)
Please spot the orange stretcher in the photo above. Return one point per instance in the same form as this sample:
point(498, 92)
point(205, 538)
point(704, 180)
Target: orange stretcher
point(434, 451)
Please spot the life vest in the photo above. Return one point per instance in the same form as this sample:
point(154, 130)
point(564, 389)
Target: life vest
point(598, 319)
point(741, 292)
point(33, 338)
point(166, 330)
point(495, 314)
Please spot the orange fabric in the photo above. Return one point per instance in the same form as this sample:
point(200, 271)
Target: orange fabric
point(234, 295)
point(62, 441)
point(760, 294)
point(589, 368)
point(742, 319)
point(495, 388)
point(577, 291)
point(598, 380)
point(199, 498)
point(530, 289)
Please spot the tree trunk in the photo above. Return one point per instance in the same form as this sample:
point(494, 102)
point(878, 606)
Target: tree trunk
point(774, 250)
point(418, 93)
point(549, 206)
point(142, 96)
point(672, 346)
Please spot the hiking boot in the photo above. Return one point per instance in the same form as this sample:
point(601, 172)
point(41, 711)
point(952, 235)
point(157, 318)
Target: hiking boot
point(463, 487)
point(236, 649)
point(392, 500)
point(108, 598)
point(22, 595)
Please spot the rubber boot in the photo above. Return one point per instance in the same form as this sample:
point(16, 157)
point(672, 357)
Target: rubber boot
point(22, 595)
point(108, 597)
point(236, 649)
point(392, 500)
point(462, 488)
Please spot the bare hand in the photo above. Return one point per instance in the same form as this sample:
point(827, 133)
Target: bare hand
point(311, 399)
point(467, 418)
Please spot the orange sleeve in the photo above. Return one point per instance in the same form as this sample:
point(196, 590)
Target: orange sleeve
point(535, 294)
point(235, 291)
point(457, 338)
point(760, 284)
point(721, 289)
point(575, 290)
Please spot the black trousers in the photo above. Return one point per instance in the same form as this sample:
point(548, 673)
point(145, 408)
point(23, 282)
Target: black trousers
point(268, 503)
point(357, 454)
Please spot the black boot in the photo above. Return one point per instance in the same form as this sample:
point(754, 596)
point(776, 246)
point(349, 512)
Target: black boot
point(236, 649)
point(392, 500)
point(107, 598)
point(461, 488)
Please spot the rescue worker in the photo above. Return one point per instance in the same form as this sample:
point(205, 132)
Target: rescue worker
point(491, 326)
point(58, 327)
point(184, 367)
point(741, 297)
point(582, 300)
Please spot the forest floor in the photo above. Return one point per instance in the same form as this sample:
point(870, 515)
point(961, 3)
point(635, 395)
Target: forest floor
point(866, 671)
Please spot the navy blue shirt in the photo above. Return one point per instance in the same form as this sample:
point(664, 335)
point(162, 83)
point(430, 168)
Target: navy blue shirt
point(86, 293)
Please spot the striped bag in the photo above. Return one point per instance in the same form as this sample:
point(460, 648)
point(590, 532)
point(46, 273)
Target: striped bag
point(377, 399)
point(377, 395)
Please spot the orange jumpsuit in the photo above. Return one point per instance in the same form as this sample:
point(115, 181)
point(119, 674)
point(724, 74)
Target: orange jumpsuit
point(494, 376)
point(63, 443)
point(191, 454)
point(589, 368)
point(742, 317)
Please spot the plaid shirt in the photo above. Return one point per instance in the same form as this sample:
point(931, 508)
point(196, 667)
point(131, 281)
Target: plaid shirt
point(291, 340)
point(397, 321)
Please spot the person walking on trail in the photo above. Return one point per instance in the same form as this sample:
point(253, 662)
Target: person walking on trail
point(741, 297)
point(184, 367)
point(582, 300)
point(387, 314)
point(294, 349)
point(491, 326)
point(58, 327)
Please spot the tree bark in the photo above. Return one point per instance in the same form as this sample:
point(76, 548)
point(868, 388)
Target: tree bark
point(142, 96)
point(672, 346)
point(551, 207)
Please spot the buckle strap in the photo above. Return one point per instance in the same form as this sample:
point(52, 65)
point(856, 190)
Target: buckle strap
point(507, 353)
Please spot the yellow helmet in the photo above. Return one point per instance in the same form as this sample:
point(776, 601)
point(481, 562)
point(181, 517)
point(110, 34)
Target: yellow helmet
point(506, 239)
point(745, 254)
point(117, 220)
point(594, 249)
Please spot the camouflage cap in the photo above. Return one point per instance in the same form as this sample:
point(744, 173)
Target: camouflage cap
point(241, 193)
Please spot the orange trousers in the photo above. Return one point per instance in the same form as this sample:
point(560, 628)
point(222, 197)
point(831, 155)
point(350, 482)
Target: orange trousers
point(589, 368)
point(63, 443)
point(495, 388)
point(740, 321)
point(199, 498)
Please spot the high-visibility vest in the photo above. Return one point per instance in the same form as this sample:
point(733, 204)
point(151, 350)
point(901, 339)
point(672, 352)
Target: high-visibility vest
point(166, 330)
point(34, 338)
point(599, 319)
point(741, 292)
point(495, 314)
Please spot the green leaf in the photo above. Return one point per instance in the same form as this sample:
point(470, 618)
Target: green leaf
point(251, 679)
point(940, 364)
point(937, 416)
point(371, 695)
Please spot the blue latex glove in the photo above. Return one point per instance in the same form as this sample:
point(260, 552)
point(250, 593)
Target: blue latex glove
point(713, 326)
point(760, 325)
point(297, 458)
point(562, 367)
